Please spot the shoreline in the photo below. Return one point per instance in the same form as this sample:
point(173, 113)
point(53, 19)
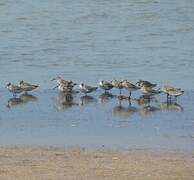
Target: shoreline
point(42, 162)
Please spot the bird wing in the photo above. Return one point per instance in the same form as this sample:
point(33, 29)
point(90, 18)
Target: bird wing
point(16, 87)
point(28, 85)
point(90, 87)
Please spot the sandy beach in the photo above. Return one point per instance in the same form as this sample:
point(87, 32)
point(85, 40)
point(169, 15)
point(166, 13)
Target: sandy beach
point(76, 163)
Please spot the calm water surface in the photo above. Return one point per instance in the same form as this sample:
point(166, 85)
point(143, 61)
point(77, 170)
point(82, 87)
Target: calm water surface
point(51, 118)
point(89, 40)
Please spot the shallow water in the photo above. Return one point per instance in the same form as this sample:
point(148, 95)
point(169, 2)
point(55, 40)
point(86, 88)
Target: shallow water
point(52, 118)
point(88, 40)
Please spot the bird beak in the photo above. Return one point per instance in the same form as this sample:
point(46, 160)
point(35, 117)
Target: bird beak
point(55, 87)
point(53, 79)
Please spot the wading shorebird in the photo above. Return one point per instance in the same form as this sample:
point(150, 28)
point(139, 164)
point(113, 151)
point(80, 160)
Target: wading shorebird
point(64, 84)
point(171, 91)
point(105, 85)
point(87, 89)
point(146, 84)
point(27, 86)
point(15, 89)
point(117, 84)
point(60, 80)
point(129, 86)
point(147, 92)
point(65, 87)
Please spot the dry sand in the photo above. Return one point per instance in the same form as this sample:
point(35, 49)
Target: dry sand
point(50, 163)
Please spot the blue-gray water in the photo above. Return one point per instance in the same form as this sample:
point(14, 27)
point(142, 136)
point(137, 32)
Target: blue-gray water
point(89, 40)
point(47, 118)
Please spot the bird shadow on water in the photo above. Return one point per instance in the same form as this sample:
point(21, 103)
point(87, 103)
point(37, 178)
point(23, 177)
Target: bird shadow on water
point(22, 99)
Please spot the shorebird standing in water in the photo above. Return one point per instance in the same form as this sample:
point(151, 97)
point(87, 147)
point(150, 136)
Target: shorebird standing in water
point(60, 80)
point(27, 86)
point(146, 84)
point(15, 89)
point(105, 85)
point(117, 84)
point(64, 85)
point(147, 92)
point(87, 89)
point(171, 91)
point(129, 86)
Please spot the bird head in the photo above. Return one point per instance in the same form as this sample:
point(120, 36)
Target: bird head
point(8, 84)
point(101, 82)
point(81, 84)
point(21, 81)
point(56, 78)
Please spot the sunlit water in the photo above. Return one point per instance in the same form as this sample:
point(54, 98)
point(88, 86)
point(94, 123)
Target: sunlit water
point(89, 40)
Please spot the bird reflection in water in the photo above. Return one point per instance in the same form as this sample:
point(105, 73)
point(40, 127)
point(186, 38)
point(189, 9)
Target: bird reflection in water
point(22, 99)
point(64, 101)
point(142, 100)
point(12, 102)
point(85, 100)
point(161, 106)
point(124, 112)
point(121, 98)
point(170, 106)
point(27, 98)
point(147, 110)
point(106, 96)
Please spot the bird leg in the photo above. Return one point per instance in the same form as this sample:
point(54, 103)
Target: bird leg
point(129, 101)
point(120, 103)
point(169, 99)
point(120, 91)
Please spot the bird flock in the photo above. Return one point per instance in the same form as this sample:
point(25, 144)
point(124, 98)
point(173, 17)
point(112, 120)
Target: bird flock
point(147, 88)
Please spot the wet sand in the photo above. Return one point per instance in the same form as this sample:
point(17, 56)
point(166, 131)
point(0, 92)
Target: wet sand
point(53, 163)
